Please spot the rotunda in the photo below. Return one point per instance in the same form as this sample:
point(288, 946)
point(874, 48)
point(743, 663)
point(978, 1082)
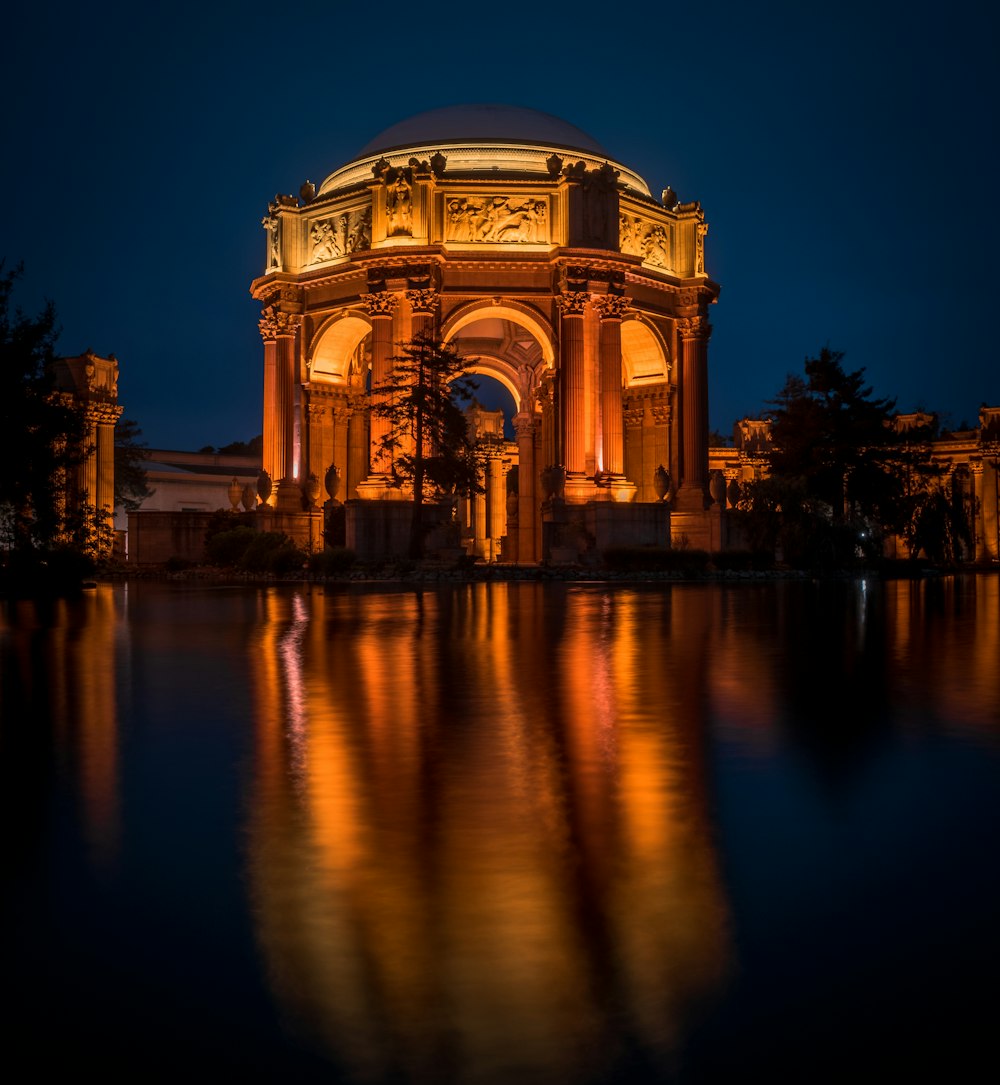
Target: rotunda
point(516, 237)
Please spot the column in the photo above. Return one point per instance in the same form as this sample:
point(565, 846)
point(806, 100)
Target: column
point(694, 332)
point(269, 331)
point(527, 511)
point(381, 307)
point(423, 304)
point(357, 447)
point(285, 463)
point(612, 309)
point(496, 492)
point(572, 440)
point(479, 546)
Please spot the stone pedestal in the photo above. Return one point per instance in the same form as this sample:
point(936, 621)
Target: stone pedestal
point(634, 524)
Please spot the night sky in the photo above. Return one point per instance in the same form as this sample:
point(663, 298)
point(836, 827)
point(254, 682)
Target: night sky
point(846, 160)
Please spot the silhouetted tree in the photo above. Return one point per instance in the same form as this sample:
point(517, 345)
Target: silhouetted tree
point(428, 444)
point(131, 485)
point(42, 432)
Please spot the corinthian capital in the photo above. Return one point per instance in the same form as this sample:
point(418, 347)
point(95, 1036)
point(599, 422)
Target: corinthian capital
point(612, 306)
point(423, 300)
point(694, 327)
point(572, 303)
point(381, 304)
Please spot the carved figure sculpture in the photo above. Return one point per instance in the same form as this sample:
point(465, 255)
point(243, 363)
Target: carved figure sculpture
point(325, 242)
point(359, 236)
point(656, 247)
point(497, 218)
point(398, 206)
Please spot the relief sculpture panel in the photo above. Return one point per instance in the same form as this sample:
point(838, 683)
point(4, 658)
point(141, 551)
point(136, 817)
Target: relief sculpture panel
point(334, 237)
point(517, 219)
point(649, 240)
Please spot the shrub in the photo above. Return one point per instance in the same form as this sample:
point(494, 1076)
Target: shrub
point(742, 560)
point(272, 552)
point(650, 559)
point(330, 562)
point(228, 548)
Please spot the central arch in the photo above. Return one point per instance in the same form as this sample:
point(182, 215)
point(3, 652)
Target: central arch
point(503, 309)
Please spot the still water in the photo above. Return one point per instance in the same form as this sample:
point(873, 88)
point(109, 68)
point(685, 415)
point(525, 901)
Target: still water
point(503, 832)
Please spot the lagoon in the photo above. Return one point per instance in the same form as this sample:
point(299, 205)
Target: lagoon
point(503, 832)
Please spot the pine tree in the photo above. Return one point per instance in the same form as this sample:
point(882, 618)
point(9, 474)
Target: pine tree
point(428, 445)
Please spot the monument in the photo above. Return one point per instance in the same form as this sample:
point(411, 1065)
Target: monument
point(518, 238)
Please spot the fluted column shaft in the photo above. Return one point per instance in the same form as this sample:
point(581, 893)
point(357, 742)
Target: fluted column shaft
point(285, 402)
point(612, 308)
point(694, 333)
point(524, 425)
point(380, 308)
point(572, 437)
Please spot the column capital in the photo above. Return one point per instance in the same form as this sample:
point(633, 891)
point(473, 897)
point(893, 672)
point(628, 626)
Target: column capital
point(424, 300)
point(573, 302)
point(693, 327)
point(524, 424)
point(273, 323)
point(381, 304)
point(612, 306)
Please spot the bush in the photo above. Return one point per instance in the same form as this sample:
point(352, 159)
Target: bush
point(650, 559)
point(742, 560)
point(272, 552)
point(177, 564)
point(228, 548)
point(331, 562)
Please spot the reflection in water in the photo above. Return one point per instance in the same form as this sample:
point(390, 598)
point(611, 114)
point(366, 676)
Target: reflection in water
point(59, 659)
point(500, 832)
point(500, 860)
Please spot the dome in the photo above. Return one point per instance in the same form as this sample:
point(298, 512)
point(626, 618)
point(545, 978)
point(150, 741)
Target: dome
point(473, 123)
point(476, 139)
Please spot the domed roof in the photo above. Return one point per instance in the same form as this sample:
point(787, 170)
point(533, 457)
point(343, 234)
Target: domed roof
point(479, 139)
point(466, 123)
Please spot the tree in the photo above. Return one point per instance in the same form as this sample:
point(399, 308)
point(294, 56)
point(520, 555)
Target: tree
point(131, 485)
point(834, 470)
point(428, 444)
point(42, 432)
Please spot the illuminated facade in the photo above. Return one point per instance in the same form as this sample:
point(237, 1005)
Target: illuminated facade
point(91, 382)
point(515, 236)
point(966, 463)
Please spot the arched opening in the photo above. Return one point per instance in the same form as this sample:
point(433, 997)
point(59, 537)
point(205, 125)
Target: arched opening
point(336, 346)
point(643, 357)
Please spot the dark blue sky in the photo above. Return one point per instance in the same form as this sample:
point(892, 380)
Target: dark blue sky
point(846, 160)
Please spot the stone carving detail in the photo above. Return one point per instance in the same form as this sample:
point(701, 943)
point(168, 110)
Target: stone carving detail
point(381, 304)
point(612, 306)
point(661, 414)
point(633, 416)
point(359, 230)
point(398, 202)
point(273, 322)
point(517, 219)
point(651, 241)
point(273, 227)
point(573, 304)
point(423, 301)
point(694, 327)
point(326, 239)
point(699, 255)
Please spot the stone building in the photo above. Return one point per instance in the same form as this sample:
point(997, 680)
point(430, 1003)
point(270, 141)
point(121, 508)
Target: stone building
point(519, 239)
point(91, 382)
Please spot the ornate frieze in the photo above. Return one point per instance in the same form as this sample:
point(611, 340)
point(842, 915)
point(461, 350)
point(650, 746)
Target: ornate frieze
point(505, 219)
point(650, 240)
point(333, 237)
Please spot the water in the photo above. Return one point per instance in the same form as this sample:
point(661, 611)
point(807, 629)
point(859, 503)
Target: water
point(503, 832)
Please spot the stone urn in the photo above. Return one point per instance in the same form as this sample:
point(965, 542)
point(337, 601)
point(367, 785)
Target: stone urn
point(553, 479)
point(332, 481)
point(248, 497)
point(733, 493)
point(263, 487)
point(662, 483)
point(310, 491)
point(717, 487)
point(235, 493)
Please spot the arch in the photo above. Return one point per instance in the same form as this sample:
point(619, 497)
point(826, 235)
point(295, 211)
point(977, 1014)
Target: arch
point(334, 347)
point(503, 309)
point(644, 358)
point(500, 370)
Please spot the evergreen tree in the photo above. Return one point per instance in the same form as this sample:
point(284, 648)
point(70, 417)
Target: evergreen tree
point(42, 432)
point(428, 445)
point(131, 485)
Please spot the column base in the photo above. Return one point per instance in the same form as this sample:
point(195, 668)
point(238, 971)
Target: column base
point(697, 529)
point(288, 496)
point(615, 488)
point(380, 488)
